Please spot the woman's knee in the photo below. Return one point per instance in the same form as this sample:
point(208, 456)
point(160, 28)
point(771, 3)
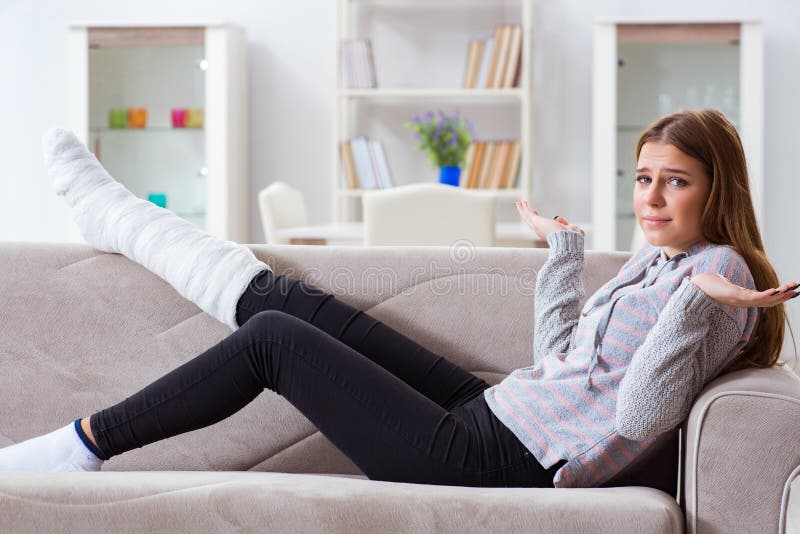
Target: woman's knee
point(268, 323)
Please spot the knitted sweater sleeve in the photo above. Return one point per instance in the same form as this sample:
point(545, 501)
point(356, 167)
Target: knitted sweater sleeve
point(558, 290)
point(689, 344)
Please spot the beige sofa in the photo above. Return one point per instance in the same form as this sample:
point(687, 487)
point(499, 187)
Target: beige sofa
point(80, 330)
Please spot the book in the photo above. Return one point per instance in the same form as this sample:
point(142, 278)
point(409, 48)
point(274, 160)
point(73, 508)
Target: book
point(347, 67)
point(360, 55)
point(488, 160)
point(473, 65)
point(358, 66)
point(381, 164)
point(500, 180)
point(468, 157)
point(502, 57)
point(498, 165)
point(514, 57)
point(498, 40)
point(503, 176)
point(350, 174)
point(372, 80)
point(510, 178)
point(518, 73)
point(373, 161)
point(350, 76)
point(483, 71)
point(477, 163)
point(363, 163)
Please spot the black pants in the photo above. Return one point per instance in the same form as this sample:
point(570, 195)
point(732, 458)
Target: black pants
point(398, 411)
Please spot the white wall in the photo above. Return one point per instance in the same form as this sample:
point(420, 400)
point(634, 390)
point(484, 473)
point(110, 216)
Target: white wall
point(291, 53)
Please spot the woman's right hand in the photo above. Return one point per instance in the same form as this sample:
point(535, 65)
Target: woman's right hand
point(542, 225)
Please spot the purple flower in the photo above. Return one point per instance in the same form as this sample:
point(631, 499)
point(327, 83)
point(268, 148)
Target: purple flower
point(439, 128)
point(428, 115)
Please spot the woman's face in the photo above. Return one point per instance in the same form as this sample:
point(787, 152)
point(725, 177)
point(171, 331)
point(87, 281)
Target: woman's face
point(669, 196)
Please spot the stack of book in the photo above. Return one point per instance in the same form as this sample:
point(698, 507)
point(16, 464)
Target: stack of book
point(365, 164)
point(491, 165)
point(358, 67)
point(495, 63)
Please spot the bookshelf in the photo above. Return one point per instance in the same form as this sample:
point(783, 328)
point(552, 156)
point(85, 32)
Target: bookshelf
point(405, 87)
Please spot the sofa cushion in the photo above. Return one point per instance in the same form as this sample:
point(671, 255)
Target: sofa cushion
point(276, 502)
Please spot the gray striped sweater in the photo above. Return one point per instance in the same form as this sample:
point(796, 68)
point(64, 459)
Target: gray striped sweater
point(609, 378)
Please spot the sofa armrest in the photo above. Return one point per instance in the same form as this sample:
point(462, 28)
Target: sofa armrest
point(741, 452)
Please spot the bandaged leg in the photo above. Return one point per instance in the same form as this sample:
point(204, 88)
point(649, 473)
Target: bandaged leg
point(210, 272)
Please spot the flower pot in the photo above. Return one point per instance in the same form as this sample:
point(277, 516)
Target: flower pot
point(449, 175)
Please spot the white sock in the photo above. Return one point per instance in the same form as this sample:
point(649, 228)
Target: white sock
point(208, 271)
point(60, 450)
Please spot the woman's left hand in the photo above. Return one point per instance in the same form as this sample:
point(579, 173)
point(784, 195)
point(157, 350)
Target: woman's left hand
point(724, 291)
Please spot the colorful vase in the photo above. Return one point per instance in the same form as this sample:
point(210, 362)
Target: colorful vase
point(117, 118)
point(179, 118)
point(194, 118)
point(159, 199)
point(137, 118)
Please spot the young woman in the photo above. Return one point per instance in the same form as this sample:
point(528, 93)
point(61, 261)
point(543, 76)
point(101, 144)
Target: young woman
point(609, 377)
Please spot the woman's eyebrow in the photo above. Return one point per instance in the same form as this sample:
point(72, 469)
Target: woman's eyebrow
point(666, 169)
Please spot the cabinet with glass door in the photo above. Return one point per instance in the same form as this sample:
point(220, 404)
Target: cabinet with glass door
point(163, 109)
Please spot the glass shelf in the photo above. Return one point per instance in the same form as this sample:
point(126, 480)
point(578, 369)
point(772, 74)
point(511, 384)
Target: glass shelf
point(104, 129)
point(477, 95)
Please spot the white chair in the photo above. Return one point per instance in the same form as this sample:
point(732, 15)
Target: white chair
point(428, 214)
point(281, 206)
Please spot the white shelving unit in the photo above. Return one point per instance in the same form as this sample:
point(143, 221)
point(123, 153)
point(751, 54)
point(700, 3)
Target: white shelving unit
point(159, 67)
point(346, 201)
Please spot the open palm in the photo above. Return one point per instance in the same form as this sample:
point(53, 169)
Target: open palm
point(724, 291)
point(542, 225)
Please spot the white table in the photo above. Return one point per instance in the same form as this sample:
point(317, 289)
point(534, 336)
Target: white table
point(322, 234)
point(510, 234)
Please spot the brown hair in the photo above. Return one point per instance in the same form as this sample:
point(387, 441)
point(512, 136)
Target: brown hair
point(707, 136)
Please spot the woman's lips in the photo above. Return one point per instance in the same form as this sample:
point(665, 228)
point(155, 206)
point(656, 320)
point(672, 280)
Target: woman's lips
point(655, 222)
